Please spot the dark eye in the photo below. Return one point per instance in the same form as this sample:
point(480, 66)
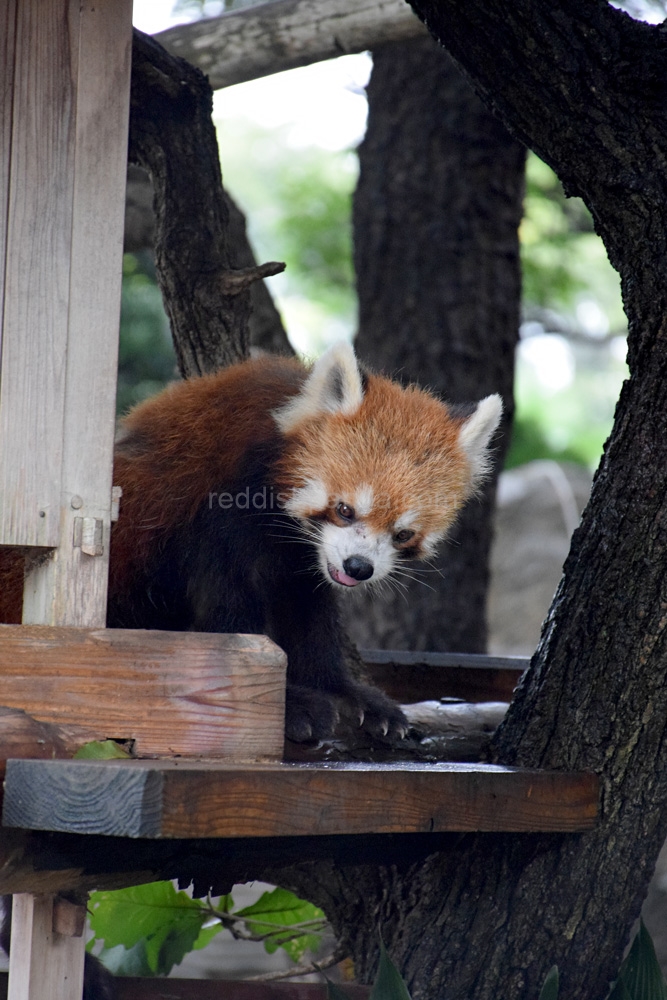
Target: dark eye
point(345, 511)
point(403, 536)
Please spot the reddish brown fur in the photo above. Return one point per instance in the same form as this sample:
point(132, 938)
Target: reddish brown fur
point(211, 420)
point(191, 440)
point(401, 442)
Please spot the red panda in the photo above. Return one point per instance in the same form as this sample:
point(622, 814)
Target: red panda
point(252, 495)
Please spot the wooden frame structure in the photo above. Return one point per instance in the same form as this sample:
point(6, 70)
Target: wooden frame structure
point(64, 121)
point(65, 77)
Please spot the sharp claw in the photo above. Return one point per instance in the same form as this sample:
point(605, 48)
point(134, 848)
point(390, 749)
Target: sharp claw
point(385, 727)
point(362, 716)
point(402, 732)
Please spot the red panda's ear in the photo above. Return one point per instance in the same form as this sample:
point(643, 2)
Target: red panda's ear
point(476, 433)
point(334, 385)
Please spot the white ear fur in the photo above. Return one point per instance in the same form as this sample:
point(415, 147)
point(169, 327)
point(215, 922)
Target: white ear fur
point(476, 433)
point(333, 386)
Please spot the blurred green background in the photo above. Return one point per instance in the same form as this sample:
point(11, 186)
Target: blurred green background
point(296, 194)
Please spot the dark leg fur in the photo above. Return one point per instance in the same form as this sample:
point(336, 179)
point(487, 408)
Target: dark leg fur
point(98, 983)
point(234, 571)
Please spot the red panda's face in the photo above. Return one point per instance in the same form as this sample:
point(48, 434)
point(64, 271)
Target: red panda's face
point(375, 473)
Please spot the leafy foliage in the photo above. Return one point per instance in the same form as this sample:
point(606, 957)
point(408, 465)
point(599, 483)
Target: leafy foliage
point(102, 750)
point(639, 978)
point(154, 922)
point(146, 360)
point(388, 985)
point(148, 929)
point(549, 990)
point(276, 915)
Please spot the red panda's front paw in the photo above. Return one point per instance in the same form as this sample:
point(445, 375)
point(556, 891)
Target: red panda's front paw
point(378, 714)
point(310, 715)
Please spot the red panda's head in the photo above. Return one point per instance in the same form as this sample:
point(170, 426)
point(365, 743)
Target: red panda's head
point(375, 472)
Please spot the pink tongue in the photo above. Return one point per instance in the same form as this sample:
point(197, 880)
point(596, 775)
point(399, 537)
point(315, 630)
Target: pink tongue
point(340, 577)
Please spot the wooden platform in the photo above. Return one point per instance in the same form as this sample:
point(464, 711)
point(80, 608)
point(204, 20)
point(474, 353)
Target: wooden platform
point(182, 799)
point(410, 676)
point(131, 988)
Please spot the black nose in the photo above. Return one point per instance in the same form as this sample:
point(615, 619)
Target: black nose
point(358, 568)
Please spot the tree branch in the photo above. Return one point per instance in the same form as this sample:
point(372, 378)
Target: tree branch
point(270, 37)
point(173, 138)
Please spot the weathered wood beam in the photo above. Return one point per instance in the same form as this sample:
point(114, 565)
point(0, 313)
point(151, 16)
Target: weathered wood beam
point(170, 692)
point(191, 799)
point(283, 34)
point(130, 988)
point(419, 676)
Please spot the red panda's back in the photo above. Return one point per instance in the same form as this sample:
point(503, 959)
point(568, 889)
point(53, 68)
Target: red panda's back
point(188, 441)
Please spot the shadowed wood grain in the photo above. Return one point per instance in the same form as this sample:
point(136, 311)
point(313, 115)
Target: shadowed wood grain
point(171, 692)
point(410, 677)
point(130, 988)
point(189, 799)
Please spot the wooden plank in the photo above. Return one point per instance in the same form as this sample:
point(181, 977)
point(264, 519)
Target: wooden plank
point(179, 799)
point(131, 988)
point(42, 963)
point(271, 37)
point(185, 693)
point(71, 587)
point(37, 274)
point(59, 351)
point(7, 40)
point(418, 676)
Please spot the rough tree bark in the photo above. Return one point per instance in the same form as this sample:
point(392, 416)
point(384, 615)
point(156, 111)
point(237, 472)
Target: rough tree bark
point(206, 294)
point(436, 251)
point(482, 917)
point(585, 87)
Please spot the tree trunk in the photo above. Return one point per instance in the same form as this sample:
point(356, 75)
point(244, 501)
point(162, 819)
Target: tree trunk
point(436, 251)
point(485, 916)
point(486, 919)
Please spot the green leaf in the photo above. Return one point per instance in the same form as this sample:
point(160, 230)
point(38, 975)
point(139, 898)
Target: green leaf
point(275, 913)
point(334, 992)
point(167, 922)
point(640, 976)
point(101, 750)
point(549, 990)
point(122, 961)
point(388, 983)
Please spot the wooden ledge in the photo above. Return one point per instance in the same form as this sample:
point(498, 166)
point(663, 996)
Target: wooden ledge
point(185, 799)
point(129, 988)
point(170, 693)
point(410, 677)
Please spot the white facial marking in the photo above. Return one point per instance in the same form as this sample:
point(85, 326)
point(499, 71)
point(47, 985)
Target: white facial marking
point(363, 501)
point(430, 543)
point(406, 521)
point(312, 496)
point(337, 544)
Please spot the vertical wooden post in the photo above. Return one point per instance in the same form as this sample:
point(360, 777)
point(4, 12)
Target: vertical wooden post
point(62, 168)
point(43, 962)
